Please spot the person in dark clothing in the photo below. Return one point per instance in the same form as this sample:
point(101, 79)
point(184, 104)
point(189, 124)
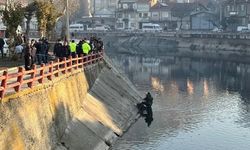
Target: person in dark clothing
point(1, 46)
point(65, 50)
point(148, 99)
point(145, 108)
point(46, 44)
point(149, 116)
point(41, 52)
point(99, 46)
point(28, 60)
point(58, 48)
point(79, 50)
point(33, 50)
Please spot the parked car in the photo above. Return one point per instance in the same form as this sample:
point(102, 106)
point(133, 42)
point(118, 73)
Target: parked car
point(217, 30)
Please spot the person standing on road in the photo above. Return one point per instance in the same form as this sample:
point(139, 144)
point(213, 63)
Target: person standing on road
point(86, 47)
point(41, 52)
point(1, 46)
point(33, 50)
point(28, 60)
point(58, 48)
point(72, 46)
point(65, 50)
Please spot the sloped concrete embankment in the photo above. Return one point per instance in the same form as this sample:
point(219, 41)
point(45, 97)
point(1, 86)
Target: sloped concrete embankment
point(81, 110)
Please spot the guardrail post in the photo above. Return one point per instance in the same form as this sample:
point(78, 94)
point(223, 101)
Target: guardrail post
point(41, 73)
point(21, 73)
point(92, 58)
point(89, 59)
point(64, 65)
point(57, 68)
point(4, 84)
point(50, 70)
point(76, 62)
point(70, 64)
point(80, 60)
point(85, 60)
point(33, 76)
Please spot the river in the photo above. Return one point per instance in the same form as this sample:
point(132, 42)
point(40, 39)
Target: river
point(198, 104)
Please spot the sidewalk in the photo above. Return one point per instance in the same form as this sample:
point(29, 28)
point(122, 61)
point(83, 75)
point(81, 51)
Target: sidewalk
point(8, 63)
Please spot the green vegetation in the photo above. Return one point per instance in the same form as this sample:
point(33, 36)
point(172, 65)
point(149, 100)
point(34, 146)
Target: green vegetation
point(47, 16)
point(13, 16)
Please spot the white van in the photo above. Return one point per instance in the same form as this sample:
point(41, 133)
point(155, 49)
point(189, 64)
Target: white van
point(151, 27)
point(242, 28)
point(99, 27)
point(76, 27)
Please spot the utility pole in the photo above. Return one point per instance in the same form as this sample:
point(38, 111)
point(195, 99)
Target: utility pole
point(67, 21)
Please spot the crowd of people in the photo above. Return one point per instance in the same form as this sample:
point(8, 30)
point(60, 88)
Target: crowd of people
point(38, 52)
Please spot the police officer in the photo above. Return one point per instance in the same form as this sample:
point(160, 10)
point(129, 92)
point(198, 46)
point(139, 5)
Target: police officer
point(86, 47)
point(72, 47)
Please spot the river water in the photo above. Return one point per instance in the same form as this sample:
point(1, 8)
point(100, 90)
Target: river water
point(198, 104)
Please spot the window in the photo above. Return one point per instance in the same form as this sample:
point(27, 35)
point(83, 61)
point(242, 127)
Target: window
point(233, 9)
point(242, 7)
point(132, 25)
point(140, 15)
point(125, 6)
point(119, 15)
point(130, 6)
point(134, 6)
point(228, 8)
point(155, 14)
point(145, 15)
point(132, 15)
point(164, 14)
point(119, 25)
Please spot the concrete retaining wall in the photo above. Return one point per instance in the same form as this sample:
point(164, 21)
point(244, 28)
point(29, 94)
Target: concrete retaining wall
point(81, 110)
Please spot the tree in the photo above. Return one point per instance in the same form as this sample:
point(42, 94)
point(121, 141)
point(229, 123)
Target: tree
point(30, 10)
point(74, 5)
point(13, 16)
point(47, 16)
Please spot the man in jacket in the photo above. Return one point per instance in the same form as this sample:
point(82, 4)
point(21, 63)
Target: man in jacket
point(86, 47)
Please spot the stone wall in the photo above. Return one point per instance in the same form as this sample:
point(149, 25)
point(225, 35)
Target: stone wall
point(85, 109)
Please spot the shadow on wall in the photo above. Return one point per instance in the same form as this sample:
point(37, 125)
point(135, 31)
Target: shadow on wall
point(86, 130)
point(57, 128)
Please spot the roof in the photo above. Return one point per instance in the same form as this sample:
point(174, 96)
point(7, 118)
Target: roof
point(199, 12)
point(143, 1)
point(180, 9)
point(159, 6)
point(127, 1)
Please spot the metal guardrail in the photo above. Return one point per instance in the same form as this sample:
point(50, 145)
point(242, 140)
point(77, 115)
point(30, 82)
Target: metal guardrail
point(19, 79)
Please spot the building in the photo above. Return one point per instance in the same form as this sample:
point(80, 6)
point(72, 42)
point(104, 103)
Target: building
point(174, 15)
point(181, 13)
point(103, 7)
point(160, 13)
point(202, 20)
point(127, 15)
point(236, 13)
point(131, 14)
point(143, 7)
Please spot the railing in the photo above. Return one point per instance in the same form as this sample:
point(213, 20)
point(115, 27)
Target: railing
point(19, 79)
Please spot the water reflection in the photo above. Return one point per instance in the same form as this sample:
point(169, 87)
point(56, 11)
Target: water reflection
point(198, 104)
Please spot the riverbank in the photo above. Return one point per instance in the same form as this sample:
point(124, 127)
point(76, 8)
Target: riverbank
point(84, 109)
